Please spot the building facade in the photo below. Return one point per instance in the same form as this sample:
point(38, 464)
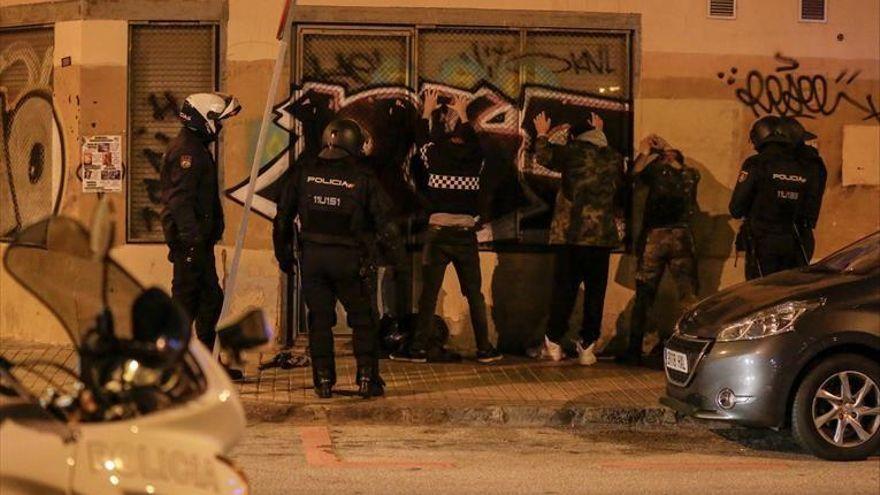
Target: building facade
point(697, 72)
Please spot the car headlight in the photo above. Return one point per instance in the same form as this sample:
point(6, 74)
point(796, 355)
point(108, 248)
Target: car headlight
point(771, 321)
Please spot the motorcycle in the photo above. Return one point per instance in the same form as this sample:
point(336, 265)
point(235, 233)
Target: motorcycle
point(147, 409)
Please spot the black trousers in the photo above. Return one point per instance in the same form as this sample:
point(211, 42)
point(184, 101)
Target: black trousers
point(774, 253)
point(458, 246)
point(573, 265)
point(196, 289)
point(331, 272)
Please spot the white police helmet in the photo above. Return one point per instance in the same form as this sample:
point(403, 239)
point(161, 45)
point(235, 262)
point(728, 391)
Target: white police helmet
point(202, 112)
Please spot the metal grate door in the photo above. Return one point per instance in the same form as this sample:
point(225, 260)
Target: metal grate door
point(167, 63)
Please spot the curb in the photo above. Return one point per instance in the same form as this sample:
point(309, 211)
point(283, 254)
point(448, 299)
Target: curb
point(377, 412)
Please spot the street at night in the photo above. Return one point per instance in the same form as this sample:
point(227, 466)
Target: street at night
point(455, 247)
point(328, 459)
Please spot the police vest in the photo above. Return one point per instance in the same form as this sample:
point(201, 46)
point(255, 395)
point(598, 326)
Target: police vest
point(781, 192)
point(331, 205)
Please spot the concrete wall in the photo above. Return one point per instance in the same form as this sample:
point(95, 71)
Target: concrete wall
point(690, 68)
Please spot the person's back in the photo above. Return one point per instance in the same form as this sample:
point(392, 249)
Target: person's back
point(338, 202)
point(780, 185)
point(584, 230)
point(586, 204)
point(671, 197)
point(771, 196)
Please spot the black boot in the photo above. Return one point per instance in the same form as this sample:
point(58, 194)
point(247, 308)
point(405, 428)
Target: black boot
point(323, 383)
point(370, 384)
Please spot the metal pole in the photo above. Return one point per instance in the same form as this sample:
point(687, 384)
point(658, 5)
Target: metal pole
point(283, 38)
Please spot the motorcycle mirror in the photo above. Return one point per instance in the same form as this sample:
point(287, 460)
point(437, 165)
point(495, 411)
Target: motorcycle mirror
point(250, 331)
point(102, 231)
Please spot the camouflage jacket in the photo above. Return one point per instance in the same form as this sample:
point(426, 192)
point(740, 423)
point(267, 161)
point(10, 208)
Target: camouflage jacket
point(587, 204)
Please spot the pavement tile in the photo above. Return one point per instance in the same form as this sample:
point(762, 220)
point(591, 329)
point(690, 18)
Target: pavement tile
point(515, 381)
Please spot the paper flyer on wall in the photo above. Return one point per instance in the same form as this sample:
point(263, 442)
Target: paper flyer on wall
point(102, 164)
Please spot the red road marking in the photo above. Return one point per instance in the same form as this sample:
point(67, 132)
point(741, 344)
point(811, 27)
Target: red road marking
point(691, 466)
point(319, 452)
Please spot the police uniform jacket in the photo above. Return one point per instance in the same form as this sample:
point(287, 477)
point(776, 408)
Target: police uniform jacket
point(191, 211)
point(338, 202)
point(772, 191)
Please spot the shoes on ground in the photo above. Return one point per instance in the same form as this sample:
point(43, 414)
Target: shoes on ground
point(586, 356)
point(488, 356)
point(552, 351)
point(409, 355)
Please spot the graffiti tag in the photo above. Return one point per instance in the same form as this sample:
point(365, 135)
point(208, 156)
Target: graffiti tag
point(787, 92)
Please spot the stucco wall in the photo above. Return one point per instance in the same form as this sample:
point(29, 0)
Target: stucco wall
point(683, 93)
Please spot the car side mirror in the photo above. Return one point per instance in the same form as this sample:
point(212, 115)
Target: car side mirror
point(250, 331)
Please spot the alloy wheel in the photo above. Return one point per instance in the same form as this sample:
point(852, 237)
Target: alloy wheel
point(846, 409)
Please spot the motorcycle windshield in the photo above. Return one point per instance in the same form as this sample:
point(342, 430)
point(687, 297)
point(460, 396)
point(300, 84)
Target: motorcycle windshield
point(53, 260)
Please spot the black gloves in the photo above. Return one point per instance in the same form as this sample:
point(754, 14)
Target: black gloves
point(287, 261)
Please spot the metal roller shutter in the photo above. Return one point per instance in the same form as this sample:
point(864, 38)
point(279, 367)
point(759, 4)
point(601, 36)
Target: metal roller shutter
point(31, 147)
point(166, 64)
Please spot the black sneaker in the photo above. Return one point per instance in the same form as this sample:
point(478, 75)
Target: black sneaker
point(489, 356)
point(443, 355)
point(409, 356)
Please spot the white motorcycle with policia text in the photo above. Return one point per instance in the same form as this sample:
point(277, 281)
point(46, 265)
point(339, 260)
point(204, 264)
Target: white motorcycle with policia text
point(147, 409)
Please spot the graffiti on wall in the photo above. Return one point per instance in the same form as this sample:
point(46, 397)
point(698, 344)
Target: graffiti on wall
point(364, 77)
point(31, 145)
point(152, 141)
point(786, 91)
point(388, 115)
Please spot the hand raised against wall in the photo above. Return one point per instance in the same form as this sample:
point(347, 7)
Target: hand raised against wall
point(459, 105)
point(542, 124)
point(430, 103)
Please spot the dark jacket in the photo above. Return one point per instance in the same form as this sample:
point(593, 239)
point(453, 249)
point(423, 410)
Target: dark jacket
point(772, 190)
point(453, 169)
point(338, 202)
point(191, 211)
point(672, 194)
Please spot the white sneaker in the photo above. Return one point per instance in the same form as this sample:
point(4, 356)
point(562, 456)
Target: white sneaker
point(586, 357)
point(552, 351)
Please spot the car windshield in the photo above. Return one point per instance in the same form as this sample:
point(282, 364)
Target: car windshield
point(859, 258)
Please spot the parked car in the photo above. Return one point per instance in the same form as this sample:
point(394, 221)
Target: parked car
point(798, 349)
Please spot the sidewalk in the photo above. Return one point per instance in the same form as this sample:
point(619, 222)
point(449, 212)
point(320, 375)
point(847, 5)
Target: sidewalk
point(516, 391)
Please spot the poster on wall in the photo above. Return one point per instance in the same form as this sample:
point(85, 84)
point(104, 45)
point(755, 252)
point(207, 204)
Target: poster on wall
point(102, 164)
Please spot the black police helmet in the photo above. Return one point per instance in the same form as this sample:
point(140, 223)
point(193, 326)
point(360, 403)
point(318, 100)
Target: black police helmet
point(767, 130)
point(794, 131)
point(341, 138)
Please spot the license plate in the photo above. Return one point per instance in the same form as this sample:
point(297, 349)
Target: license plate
point(677, 361)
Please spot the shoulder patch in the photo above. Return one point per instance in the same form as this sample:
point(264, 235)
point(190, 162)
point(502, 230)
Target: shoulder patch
point(185, 161)
point(743, 175)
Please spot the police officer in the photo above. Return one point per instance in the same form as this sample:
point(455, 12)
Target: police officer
point(814, 168)
point(771, 195)
point(192, 217)
point(340, 206)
